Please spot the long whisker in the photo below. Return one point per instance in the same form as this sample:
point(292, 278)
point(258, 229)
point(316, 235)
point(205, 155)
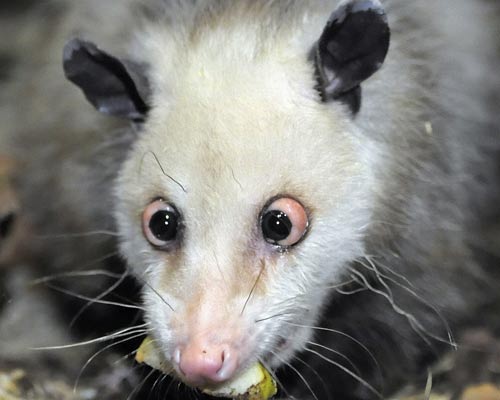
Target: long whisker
point(128, 355)
point(351, 292)
point(298, 374)
point(143, 281)
point(71, 235)
point(158, 381)
point(318, 376)
point(337, 332)
point(338, 353)
point(81, 271)
point(273, 316)
point(171, 382)
point(451, 340)
point(140, 385)
point(126, 300)
point(396, 274)
point(291, 301)
point(253, 288)
point(100, 351)
point(341, 284)
point(101, 339)
point(414, 322)
point(76, 274)
point(82, 297)
point(347, 371)
point(99, 297)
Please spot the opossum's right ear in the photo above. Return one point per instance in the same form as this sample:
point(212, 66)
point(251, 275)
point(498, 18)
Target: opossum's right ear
point(351, 48)
point(114, 87)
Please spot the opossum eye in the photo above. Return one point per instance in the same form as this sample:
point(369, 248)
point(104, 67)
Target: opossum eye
point(284, 222)
point(160, 223)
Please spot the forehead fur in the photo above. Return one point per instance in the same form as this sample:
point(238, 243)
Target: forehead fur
point(218, 34)
point(226, 95)
point(241, 125)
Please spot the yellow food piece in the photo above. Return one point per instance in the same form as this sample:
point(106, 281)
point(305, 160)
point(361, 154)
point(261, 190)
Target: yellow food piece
point(255, 383)
point(10, 384)
point(147, 353)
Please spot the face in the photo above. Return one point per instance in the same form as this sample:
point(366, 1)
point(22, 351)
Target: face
point(249, 188)
point(238, 215)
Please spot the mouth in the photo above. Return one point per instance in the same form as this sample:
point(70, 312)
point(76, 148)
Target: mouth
point(253, 383)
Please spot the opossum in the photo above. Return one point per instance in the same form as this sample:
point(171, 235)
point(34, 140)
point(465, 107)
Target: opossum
point(307, 184)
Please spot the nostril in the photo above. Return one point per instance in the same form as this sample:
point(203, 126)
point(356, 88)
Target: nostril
point(6, 223)
point(228, 367)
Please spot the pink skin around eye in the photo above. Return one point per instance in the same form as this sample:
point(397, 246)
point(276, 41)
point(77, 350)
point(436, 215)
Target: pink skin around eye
point(150, 210)
point(297, 215)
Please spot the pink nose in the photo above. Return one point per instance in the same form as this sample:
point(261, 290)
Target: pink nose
point(202, 363)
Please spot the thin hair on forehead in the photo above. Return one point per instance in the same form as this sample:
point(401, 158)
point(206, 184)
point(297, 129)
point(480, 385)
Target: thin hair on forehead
point(155, 158)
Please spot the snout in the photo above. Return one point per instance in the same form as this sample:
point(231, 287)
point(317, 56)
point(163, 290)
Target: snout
point(204, 361)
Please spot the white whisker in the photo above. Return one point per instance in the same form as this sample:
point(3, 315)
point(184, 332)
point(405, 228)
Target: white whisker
point(71, 235)
point(99, 297)
point(143, 281)
point(318, 376)
point(101, 339)
point(338, 353)
point(76, 274)
point(93, 300)
point(451, 340)
point(412, 320)
point(347, 371)
point(337, 332)
point(141, 384)
point(97, 353)
point(273, 316)
point(298, 374)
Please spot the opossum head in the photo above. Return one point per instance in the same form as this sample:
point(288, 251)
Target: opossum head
point(249, 188)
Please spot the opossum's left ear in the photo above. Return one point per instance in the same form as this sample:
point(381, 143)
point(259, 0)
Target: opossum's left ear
point(352, 47)
point(113, 86)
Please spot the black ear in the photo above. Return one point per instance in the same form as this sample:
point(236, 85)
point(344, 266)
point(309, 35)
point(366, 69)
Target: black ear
point(351, 48)
point(112, 86)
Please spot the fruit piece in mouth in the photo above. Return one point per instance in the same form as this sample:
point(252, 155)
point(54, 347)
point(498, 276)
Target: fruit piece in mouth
point(255, 383)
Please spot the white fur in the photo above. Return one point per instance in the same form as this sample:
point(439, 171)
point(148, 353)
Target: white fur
point(236, 130)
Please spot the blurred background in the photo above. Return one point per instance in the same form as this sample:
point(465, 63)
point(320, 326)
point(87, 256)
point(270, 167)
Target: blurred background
point(36, 314)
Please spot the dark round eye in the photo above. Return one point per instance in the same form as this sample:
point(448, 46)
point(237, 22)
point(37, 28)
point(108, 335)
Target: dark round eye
point(160, 223)
point(276, 225)
point(284, 222)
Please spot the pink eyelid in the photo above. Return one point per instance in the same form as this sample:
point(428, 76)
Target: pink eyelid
point(148, 212)
point(297, 215)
